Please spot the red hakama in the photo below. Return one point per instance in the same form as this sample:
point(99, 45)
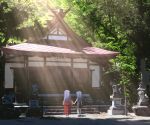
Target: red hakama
point(67, 108)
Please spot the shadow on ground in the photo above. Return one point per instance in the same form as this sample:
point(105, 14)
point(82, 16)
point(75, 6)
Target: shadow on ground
point(73, 121)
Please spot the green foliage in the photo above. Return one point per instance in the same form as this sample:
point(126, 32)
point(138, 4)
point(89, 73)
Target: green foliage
point(112, 25)
point(118, 25)
point(21, 19)
point(8, 22)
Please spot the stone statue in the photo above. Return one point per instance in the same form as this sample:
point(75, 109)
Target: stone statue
point(114, 87)
point(116, 90)
point(143, 99)
point(35, 89)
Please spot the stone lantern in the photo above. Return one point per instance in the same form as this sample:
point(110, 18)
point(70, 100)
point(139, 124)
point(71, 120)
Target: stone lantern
point(142, 108)
point(116, 108)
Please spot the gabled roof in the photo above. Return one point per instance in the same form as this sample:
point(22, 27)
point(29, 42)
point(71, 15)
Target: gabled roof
point(72, 39)
point(74, 46)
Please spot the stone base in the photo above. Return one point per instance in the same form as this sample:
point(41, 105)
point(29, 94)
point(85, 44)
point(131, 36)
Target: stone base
point(116, 111)
point(141, 110)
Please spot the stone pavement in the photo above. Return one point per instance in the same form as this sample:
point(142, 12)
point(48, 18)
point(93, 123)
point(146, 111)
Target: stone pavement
point(87, 119)
point(130, 119)
point(103, 115)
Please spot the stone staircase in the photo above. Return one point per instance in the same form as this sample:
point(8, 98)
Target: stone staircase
point(86, 109)
point(51, 104)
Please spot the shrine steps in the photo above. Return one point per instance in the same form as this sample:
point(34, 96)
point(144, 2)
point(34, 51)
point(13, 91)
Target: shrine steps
point(86, 109)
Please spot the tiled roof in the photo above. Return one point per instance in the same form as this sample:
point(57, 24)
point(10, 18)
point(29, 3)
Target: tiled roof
point(30, 47)
point(46, 49)
point(98, 51)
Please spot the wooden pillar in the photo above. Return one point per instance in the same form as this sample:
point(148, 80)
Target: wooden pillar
point(73, 83)
point(44, 62)
point(2, 73)
point(88, 67)
point(28, 89)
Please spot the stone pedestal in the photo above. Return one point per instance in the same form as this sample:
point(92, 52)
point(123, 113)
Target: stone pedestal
point(141, 110)
point(117, 108)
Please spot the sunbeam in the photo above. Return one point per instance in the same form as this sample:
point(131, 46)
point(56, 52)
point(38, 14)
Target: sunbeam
point(53, 57)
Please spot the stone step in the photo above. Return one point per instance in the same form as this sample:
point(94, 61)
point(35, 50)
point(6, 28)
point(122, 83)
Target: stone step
point(72, 110)
point(84, 106)
point(58, 110)
point(61, 113)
